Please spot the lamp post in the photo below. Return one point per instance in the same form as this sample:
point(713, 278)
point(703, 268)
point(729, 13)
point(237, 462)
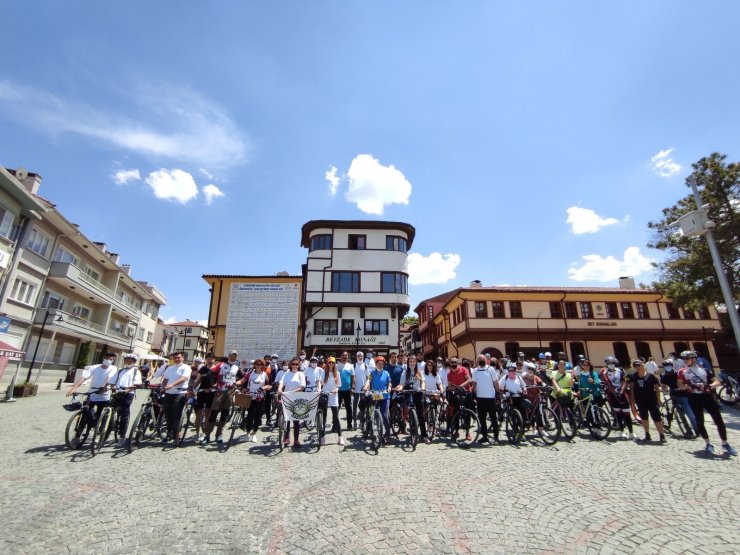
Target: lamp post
point(131, 345)
point(38, 342)
point(357, 338)
point(539, 338)
point(184, 341)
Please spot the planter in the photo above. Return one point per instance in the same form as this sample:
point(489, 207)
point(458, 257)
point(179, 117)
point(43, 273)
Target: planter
point(25, 390)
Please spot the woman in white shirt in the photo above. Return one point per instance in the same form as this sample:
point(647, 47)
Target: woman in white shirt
point(293, 381)
point(257, 384)
point(513, 385)
point(414, 378)
point(332, 381)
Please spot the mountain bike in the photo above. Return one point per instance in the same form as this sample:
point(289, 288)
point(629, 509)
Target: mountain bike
point(149, 421)
point(373, 422)
point(562, 406)
point(80, 423)
point(430, 412)
point(510, 419)
point(464, 420)
point(729, 393)
point(670, 412)
point(106, 424)
point(595, 418)
point(242, 402)
point(542, 418)
point(407, 402)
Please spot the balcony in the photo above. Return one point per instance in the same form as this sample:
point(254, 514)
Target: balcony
point(74, 325)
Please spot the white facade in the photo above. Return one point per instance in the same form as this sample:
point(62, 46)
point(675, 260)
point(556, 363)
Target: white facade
point(355, 275)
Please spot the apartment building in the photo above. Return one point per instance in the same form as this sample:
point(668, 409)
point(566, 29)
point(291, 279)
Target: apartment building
point(68, 297)
point(188, 337)
point(627, 322)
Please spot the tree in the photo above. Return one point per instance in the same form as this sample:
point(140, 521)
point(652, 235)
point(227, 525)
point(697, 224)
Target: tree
point(687, 275)
point(410, 321)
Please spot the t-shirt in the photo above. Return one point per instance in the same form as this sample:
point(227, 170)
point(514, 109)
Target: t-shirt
point(651, 367)
point(329, 387)
point(279, 375)
point(346, 371)
point(126, 377)
point(531, 379)
point(412, 380)
point(515, 387)
point(432, 383)
point(313, 377)
point(207, 377)
point(697, 377)
point(227, 374)
point(256, 381)
point(397, 374)
point(379, 381)
point(442, 373)
point(458, 376)
point(99, 376)
point(484, 378)
point(173, 373)
point(564, 381)
point(643, 388)
point(671, 380)
point(293, 380)
point(361, 372)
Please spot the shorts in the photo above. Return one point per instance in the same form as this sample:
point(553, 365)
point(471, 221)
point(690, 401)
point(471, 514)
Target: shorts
point(221, 401)
point(650, 408)
point(204, 400)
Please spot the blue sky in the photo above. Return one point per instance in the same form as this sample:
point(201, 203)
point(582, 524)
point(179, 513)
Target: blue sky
point(527, 142)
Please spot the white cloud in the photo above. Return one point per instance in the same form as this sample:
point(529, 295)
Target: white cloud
point(170, 121)
point(203, 323)
point(121, 177)
point(435, 268)
point(372, 185)
point(598, 268)
point(171, 320)
point(211, 192)
point(663, 164)
point(175, 185)
point(585, 220)
point(207, 174)
point(333, 179)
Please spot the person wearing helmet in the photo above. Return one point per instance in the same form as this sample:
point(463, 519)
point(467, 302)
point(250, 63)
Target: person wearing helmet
point(679, 396)
point(379, 379)
point(314, 375)
point(204, 383)
point(124, 384)
point(615, 381)
point(645, 394)
point(700, 382)
point(512, 385)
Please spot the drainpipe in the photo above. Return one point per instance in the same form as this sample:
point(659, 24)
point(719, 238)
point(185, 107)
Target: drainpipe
point(565, 321)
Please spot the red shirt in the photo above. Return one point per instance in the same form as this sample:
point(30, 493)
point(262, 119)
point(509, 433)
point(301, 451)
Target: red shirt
point(458, 376)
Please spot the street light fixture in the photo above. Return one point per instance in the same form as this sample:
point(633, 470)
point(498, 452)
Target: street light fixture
point(539, 338)
point(357, 338)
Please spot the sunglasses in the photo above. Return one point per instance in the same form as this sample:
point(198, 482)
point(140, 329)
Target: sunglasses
point(294, 364)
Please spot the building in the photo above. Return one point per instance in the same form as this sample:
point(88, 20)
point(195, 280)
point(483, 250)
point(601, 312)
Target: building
point(356, 284)
point(627, 322)
point(69, 298)
point(187, 337)
point(256, 315)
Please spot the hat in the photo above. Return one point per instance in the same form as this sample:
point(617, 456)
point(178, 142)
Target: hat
point(637, 362)
point(541, 356)
point(274, 356)
point(548, 354)
point(233, 352)
point(380, 359)
point(313, 359)
point(331, 359)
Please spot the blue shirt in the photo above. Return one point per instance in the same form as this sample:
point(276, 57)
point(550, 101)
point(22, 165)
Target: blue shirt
point(396, 372)
point(346, 378)
point(379, 381)
point(586, 388)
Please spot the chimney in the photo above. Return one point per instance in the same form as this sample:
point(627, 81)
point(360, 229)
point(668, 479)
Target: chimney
point(102, 246)
point(115, 257)
point(627, 282)
point(476, 284)
point(126, 268)
point(31, 181)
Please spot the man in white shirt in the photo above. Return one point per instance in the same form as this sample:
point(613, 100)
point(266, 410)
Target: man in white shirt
point(370, 359)
point(362, 371)
point(99, 375)
point(651, 366)
point(484, 386)
point(124, 383)
point(175, 382)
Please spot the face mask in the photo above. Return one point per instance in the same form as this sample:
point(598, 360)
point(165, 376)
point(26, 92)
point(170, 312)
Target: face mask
point(286, 367)
point(482, 363)
point(668, 368)
point(106, 362)
point(439, 365)
point(302, 357)
point(274, 360)
point(611, 366)
point(453, 366)
point(314, 364)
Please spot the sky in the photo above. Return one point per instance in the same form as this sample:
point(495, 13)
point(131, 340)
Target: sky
point(529, 143)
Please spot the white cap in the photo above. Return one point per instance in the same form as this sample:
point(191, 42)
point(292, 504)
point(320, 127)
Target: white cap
point(548, 354)
point(233, 352)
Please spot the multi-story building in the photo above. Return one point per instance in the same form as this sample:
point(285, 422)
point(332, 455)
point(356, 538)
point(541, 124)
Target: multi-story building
point(627, 322)
point(68, 297)
point(356, 284)
point(188, 337)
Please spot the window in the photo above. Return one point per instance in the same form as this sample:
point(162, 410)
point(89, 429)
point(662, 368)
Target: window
point(188, 342)
point(576, 350)
point(611, 311)
point(430, 309)
point(702, 351)
point(188, 330)
point(81, 311)
point(149, 337)
point(555, 348)
point(393, 283)
point(621, 353)
point(376, 327)
point(6, 221)
point(53, 299)
point(320, 242)
point(44, 346)
point(116, 326)
point(704, 313)
point(481, 310)
point(689, 314)
point(63, 255)
point(23, 291)
point(357, 242)
point(515, 309)
point(498, 309)
point(395, 243)
point(345, 282)
point(642, 311)
point(140, 334)
point(586, 312)
point(570, 310)
point(627, 312)
point(556, 310)
point(672, 312)
point(348, 327)
point(679, 347)
point(325, 327)
point(38, 242)
point(511, 348)
point(643, 350)
point(92, 273)
point(67, 354)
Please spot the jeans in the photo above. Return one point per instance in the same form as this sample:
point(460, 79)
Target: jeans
point(124, 412)
point(684, 402)
point(345, 398)
point(254, 414)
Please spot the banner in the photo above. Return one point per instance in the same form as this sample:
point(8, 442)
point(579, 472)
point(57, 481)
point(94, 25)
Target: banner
point(300, 405)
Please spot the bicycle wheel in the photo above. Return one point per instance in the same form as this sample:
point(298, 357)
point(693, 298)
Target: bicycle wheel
point(667, 412)
point(376, 434)
point(413, 428)
point(679, 416)
point(281, 430)
point(77, 431)
point(514, 426)
point(431, 421)
point(465, 428)
point(728, 395)
point(320, 431)
point(183, 425)
point(396, 418)
point(135, 435)
point(599, 427)
point(549, 430)
point(235, 424)
point(101, 431)
point(568, 425)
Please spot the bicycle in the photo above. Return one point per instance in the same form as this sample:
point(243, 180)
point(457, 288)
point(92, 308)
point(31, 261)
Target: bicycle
point(596, 418)
point(396, 416)
point(511, 419)
point(543, 418)
point(106, 424)
point(671, 412)
point(729, 393)
point(80, 423)
point(148, 422)
point(464, 419)
point(242, 402)
point(431, 412)
point(373, 421)
point(562, 406)
point(186, 418)
point(407, 401)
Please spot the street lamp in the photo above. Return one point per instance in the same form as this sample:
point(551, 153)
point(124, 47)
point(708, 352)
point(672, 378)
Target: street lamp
point(38, 342)
point(184, 341)
point(539, 338)
point(136, 329)
point(357, 338)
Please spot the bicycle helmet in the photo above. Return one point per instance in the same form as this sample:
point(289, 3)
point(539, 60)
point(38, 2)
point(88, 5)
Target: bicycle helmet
point(130, 355)
point(669, 362)
point(71, 407)
point(510, 366)
point(688, 354)
point(541, 356)
point(197, 360)
point(610, 360)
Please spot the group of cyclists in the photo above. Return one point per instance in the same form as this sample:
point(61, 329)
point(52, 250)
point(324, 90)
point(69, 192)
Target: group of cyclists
point(496, 394)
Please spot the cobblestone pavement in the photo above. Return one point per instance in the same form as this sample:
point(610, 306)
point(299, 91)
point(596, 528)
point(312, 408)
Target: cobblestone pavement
point(581, 497)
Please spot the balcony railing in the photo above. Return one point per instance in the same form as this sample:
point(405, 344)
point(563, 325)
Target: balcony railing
point(94, 282)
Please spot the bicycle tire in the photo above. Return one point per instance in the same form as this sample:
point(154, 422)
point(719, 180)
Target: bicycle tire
point(413, 428)
point(134, 436)
point(568, 425)
point(320, 431)
point(431, 421)
point(74, 440)
point(514, 426)
point(549, 432)
point(183, 425)
point(376, 435)
point(236, 422)
point(728, 395)
point(599, 426)
point(281, 430)
point(667, 414)
point(682, 421)
point(396, 419)
point(471, 429)
point(101, 427)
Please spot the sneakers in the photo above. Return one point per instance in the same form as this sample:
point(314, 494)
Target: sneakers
point(468, 437)
point(625, 434)
point(427, 440)
point(709, 449)
point(645, 439)
point(196, 439)
point(341, 440)
point(482, 440)
point(662, 438)
point(206, 440)
point(121, 443)
point(322, 441)
point(297, 445)
point(729, 449)
point(219, 440)
point(631, 436)
point(253, 438)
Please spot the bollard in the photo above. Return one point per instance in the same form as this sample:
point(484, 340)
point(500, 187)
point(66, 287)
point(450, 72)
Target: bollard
point(59, 385)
